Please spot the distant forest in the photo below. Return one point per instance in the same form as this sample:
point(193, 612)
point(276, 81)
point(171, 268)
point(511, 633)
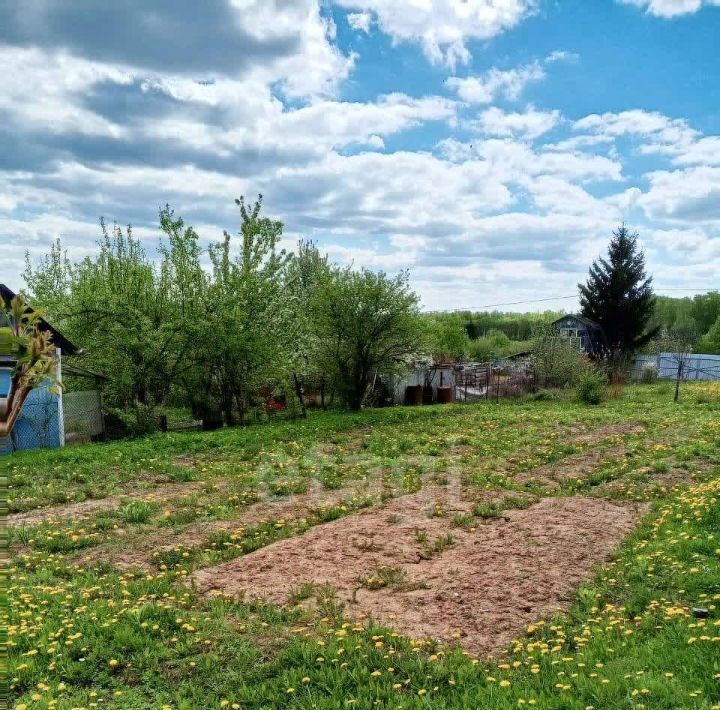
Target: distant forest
point(496, 333)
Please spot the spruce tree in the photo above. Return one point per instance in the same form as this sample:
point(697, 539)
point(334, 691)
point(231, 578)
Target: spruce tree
point(618, 296)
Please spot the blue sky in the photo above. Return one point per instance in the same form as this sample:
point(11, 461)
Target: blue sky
point(489, 146)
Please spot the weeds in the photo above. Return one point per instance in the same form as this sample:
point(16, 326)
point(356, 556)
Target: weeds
point(138, 511)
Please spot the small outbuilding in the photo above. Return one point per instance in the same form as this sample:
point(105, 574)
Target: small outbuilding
point(49, 416)
point(586, 333)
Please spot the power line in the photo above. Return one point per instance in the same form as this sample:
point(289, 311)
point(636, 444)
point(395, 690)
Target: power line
point(516, 303)
point(563, 298)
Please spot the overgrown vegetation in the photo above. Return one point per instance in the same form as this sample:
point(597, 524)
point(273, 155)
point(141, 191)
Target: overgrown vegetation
point(81, 631)
point(241, 339)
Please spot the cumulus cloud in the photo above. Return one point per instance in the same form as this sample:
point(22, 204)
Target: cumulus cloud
point(470, 194)
point(484, 89)
point(652, 124)
point(360, 21)
point(442, 27)
point(671, 8)
point(529, 125)
point(289, 43)
point(692, 194)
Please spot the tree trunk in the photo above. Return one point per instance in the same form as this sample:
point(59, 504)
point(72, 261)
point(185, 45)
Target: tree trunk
point(299, 393)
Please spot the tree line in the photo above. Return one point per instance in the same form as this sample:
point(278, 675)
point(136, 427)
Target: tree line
point(222, 331)
point(226, 330)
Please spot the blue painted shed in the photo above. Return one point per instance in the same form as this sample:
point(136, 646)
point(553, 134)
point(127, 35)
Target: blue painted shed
point(40, 424)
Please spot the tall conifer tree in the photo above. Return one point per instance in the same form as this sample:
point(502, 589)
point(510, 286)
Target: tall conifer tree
point(618, 295)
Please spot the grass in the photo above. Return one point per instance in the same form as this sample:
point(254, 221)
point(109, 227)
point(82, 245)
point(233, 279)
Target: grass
point(82, 636)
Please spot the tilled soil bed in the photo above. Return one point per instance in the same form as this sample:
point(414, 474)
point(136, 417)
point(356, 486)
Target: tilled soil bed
point(481, 588)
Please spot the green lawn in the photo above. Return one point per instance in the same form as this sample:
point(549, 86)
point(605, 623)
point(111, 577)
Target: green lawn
point(84, 633)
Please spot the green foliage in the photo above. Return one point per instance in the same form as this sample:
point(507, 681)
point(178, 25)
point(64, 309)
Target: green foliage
point(34, 357)
point(557, 360)
point(710, 343)
point(618, 295)
point(170, 331)
point(702, 310)
point(482, 337)
point(447, 339)
point(366, 323)
point(591, 387)
point(649, 374)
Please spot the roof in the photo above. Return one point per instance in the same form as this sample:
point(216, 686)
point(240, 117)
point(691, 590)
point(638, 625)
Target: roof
point(58, 339)
point(585, 321)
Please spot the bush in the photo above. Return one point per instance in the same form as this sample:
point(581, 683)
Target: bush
point(649, 375)
point(591, 387)
point(557, 361)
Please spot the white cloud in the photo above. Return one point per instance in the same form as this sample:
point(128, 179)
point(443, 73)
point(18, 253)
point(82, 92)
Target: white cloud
point(499, 216)
point(442, 27)
point(702, 151)
point(651, 124)
point(692, 194)
point(360, 21)
point(529, 124)
point(513, 160)
point(484, 89)
point(560, 55)
point(671, 8)
point(49, 91)
point(695, 244)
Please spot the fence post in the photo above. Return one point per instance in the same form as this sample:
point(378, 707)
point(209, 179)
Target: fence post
point(679, 377)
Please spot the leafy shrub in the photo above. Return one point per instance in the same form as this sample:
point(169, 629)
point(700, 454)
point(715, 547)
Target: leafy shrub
point(591, 387)
point(649, 374)
point(557, 360)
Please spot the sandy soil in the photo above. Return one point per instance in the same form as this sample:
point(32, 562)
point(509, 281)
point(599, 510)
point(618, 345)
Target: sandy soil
point(597, 435)
point(481, 590)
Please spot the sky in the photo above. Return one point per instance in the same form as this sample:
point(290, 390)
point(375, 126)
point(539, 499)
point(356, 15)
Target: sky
point(488, 146)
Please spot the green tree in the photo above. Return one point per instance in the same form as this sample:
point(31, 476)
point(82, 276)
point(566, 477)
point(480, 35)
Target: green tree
point(710, 342)
point(306, 272)
point(118, 307)
point(446, 338)
point(368, 324)
point(250, 327)
point(619, 296)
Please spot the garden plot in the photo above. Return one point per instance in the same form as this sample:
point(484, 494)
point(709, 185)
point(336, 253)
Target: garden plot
point(142, 549)
point(407, 566)
point(84, 509)
point(575, 466)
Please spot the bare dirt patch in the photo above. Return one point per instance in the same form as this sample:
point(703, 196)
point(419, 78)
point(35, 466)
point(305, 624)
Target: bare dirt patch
point(138, 551)
point(574, 466)
point(606, 432)
point(480, 589)
point(86, 508)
